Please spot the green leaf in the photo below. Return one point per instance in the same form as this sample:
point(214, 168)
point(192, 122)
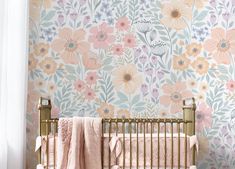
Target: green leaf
point(122, 96)
point(49, 15)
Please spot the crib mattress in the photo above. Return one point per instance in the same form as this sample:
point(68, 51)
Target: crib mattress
point(163, 155)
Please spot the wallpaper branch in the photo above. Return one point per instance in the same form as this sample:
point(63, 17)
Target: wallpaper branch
point(118, 58)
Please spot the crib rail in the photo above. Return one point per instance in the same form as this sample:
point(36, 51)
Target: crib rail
point(129, 128)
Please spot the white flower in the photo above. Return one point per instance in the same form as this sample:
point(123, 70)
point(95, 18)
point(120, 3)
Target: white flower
point(143, 26)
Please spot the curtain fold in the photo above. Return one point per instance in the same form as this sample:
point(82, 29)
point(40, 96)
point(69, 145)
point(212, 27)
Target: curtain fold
point(13, 82)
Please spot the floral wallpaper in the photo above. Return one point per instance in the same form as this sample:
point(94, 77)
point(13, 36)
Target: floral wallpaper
point(139, 58)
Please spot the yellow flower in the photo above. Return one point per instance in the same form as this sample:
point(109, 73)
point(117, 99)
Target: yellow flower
point(175, 14)
point(48, 65)
point(201, 65)
point(41, 49)
point(128, 78)
point(122, 113)
point(194, 49)
point(197, 3)
point(180, 62)
point(106, 110)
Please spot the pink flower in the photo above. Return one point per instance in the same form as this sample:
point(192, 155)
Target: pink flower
point(129, 41)
point(221, 45)
point(203, 116)
point(231, 85)
point(79, 85)
point(117, 49)
point(89, 94)
point(69, 43)
point(174, 95)
point(102, 36)
point(123, 23)
point(91, 78)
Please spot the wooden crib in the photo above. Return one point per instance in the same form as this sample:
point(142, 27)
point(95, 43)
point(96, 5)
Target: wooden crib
point(146, 142)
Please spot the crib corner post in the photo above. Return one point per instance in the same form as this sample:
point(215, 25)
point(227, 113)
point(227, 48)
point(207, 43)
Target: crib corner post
point(44, 107)
point(189, 115)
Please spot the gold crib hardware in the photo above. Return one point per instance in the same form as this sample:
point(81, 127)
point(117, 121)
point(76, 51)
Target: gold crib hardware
point(144, 126)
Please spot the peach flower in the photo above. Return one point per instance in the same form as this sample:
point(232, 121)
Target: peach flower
point(123, 23)
point(32, 62)
point(200, 97)
point(102, 36)
point(192, 83)
point(203, 116)
point(197, 3)
point(203, 86)
point(47, 4)
point(118, 49)
point(41, 49)
point(34, 9)
point(106, 110)
point(129, 41)
point(128, 78)
point(69, 43)
point(51, 87)
point(39, 84)
point(79, 85)
point(201, 65)
point(48, 65)
point(231, 85)
point(194, 49)
point(89, 94)
point(91, 78)
point(90, 61)
point(180, 62)
point(221, 45)
point(174, 14)
point(174, 95)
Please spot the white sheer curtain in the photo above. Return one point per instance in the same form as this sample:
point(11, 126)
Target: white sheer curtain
point(13, 78)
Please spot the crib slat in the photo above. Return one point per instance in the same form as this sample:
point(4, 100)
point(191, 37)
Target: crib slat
point(158, 146)
point(165, 144)
point(47, 145)
point(172, 146)
point(102, 144)
point(178, 128)
point(144, 146)
point(137, 143)
point(110, 130)
point(124, 149)
point(130, 131)
point(54, 125)
point(185, 146)
point(151, 144)
point(116, 161)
